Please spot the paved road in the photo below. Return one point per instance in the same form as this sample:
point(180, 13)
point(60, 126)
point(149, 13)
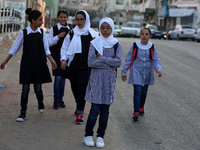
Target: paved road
point(172, 120)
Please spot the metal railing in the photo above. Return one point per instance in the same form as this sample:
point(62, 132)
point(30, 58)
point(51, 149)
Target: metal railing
point(10, 20)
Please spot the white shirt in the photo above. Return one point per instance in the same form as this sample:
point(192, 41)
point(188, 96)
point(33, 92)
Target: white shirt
point(65, 46)
point(53, 40)
point(17, 45)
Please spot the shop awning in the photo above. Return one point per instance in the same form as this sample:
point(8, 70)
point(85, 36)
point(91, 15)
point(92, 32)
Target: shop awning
point(180, 12)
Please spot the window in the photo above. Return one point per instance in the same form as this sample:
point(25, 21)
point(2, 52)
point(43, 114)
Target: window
point(136, 1)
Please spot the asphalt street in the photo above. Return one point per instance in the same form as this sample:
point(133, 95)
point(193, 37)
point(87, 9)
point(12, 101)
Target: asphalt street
point(172, 110)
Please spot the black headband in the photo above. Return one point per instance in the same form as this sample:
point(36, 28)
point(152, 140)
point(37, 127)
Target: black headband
point(82, 13)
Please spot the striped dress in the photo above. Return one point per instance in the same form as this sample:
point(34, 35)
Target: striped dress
point(101, 85)
point(142, 72)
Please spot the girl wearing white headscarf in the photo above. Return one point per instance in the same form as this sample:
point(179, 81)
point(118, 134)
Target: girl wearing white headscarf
point(104, 58)
point(74, 57)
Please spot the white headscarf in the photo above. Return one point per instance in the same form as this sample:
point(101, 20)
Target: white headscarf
point(76, 44)
point(101, 42)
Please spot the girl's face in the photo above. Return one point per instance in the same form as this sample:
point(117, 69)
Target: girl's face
point(80, 21)
point(145, 36)
point(106, 29)
point(38, 22)
point(62, 18)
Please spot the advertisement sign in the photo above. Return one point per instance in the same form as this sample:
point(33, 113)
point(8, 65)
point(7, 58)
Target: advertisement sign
point(149, 12)
point(180, 12)
point(119, 2)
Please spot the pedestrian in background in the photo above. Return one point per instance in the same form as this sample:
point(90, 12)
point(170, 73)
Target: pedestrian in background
point(55, 39)
point(74, 54)
point(33, 69)
point(142, 59)
point(104, 58)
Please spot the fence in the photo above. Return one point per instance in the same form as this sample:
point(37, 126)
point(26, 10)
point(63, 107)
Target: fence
point(10, 20)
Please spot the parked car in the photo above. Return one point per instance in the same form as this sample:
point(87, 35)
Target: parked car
point(97, 30)
point(131, 29)
point(181, 32)
point(155, 31)
point(197, 35)
point(117, 30)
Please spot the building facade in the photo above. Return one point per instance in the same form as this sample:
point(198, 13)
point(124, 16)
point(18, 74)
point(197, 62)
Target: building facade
point(121, 11)
point(172, 12)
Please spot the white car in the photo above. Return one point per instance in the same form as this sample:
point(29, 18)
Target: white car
point(181, 32)
point(131, 29)
point(197, 35)
point(117, 30)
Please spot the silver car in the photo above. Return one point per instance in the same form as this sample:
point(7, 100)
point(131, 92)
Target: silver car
point(197, 35)
point(181, 32)
point(131, 29)
point(117, 30)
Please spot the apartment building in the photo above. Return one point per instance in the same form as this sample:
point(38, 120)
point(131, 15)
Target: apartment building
point(81, 4)
point(121, 11)
point(172, 12)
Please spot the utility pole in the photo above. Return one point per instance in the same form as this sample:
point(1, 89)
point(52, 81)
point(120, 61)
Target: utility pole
point(156, 12)
point(128, 11)
point(26, 17)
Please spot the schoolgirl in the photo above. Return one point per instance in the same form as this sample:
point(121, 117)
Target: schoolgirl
point(74, 53)
point(104, 58)
point(141, 64)
point(33, 69)
point(55, 39)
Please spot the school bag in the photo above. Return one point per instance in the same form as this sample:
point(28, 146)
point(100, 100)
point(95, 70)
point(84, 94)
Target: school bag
point(135, 52)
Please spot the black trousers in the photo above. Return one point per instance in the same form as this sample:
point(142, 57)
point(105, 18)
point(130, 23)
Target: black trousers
point(25, 92)
point(79, 81)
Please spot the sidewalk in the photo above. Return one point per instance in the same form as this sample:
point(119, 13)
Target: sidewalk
point(51, 130)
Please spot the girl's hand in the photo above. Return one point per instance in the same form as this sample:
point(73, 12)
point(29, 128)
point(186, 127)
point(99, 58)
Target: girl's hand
point(3, 65)
point(98, 57)
point(63, 65)
point(61, 35)
point(159, 73)
point(53, 64)
point(124, 77)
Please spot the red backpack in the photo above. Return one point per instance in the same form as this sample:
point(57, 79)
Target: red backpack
point(135, 52)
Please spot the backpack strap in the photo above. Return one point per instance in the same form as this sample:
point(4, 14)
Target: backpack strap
point(115, 50)
point(135, 52)
point(151, 52)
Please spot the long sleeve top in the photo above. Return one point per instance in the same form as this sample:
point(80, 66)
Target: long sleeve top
point(101, 85)
point(65, 47)
point(53, 40)
point(17, 45)
point(142, 71)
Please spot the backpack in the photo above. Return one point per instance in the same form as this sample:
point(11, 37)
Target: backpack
point(115, 49)
point(135, 52)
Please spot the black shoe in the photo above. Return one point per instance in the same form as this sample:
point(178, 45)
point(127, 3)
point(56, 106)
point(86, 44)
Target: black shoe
point(21, 118)
point(136, 116)
point(62, 104)
point(55, 105)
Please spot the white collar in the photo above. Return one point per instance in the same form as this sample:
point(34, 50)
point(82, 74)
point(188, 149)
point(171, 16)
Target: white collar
point(29, 30)
point(148, 46)
point(60, 26)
